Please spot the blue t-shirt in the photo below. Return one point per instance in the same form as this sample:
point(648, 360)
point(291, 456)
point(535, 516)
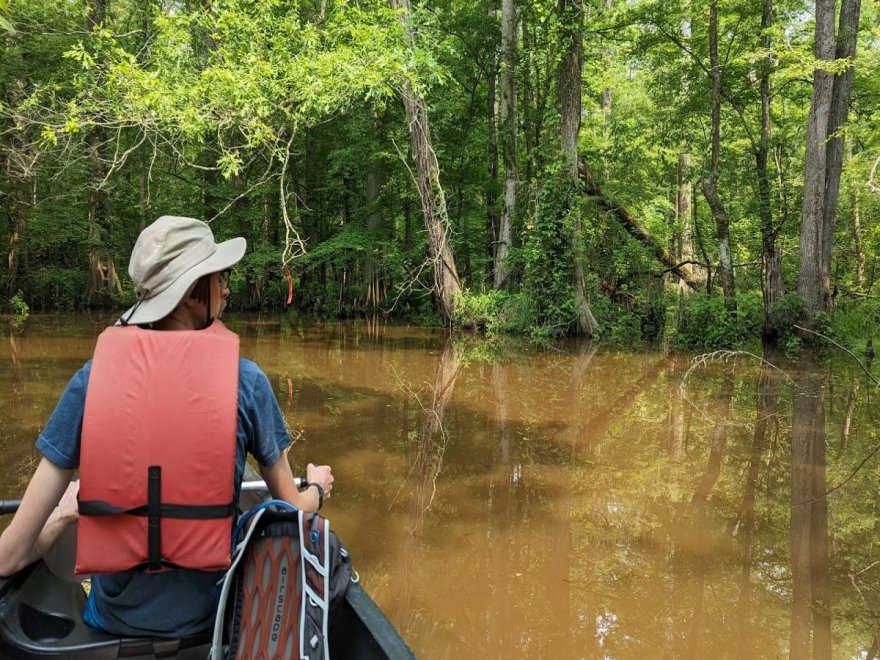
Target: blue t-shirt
point(179, 602)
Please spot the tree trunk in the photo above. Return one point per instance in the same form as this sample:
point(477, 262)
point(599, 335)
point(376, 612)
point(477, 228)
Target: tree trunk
point(851, 399)
point(508, 139)
point(447, 286)
point(858, 250)
point(686, 218)
point(684, 206)
point(634, 227)
point(812, 283)
point(16, 205)
point(569, 81)
point(709, 185)
point(809, 521)
point(771, 288)
point(17, 215)
point(846, 49)
point(531, 107)
point(103, 280)
point(373, 290)
point(492, 220)
point(607, 94)
point(571, 15)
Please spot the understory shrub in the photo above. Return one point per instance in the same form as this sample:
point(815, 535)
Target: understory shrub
point(57, 288)
point(707, 322)
point(495, 312)
point(19, 308)
point(478, 310)
point(548, 258)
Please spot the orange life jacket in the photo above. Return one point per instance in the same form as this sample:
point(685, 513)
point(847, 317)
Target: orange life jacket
point(157, 457)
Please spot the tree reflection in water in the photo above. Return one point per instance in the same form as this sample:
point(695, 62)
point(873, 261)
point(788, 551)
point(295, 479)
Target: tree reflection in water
point(562, 503)
point(765, 420)
point(702, 545)
point(811, 584)
point(421, 482)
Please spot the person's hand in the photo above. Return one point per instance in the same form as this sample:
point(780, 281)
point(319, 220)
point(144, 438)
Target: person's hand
point(67, 511)
point(321, 475)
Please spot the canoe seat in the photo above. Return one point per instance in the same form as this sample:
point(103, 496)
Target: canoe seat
point(41, 617)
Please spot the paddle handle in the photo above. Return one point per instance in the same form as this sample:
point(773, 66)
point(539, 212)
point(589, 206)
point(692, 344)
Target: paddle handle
point(259, 484)
point(9, 506)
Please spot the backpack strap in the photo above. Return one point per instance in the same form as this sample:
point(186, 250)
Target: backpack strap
point(315, 535)
point(238, 553)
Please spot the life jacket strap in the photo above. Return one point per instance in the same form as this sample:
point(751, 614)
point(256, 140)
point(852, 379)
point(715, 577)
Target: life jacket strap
point(154, 517)
point(166, 510)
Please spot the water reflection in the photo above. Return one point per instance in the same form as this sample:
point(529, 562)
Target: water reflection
point(811, 586)
point(505, 500)
point(702, 544)
point(766, 421)
point(420, 484)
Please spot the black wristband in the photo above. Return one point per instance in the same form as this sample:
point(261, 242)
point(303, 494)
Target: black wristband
point(320, 493)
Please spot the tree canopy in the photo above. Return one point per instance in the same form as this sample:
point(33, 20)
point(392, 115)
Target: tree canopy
point(692, 126)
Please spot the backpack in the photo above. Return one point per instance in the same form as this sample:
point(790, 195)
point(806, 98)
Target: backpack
point(287, 581)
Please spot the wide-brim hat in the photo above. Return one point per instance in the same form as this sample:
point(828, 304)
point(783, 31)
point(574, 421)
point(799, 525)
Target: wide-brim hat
point(168, 258)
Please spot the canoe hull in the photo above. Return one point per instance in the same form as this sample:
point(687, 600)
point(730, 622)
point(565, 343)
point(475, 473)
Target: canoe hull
point(41, 611)
point(41, 617)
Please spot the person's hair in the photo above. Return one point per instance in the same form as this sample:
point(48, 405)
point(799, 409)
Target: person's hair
point(202, 289)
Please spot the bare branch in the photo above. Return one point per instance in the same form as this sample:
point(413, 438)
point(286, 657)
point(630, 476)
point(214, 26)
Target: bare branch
point(873, 187)
point(726, 356)
point(844, 349)
point(292, 239)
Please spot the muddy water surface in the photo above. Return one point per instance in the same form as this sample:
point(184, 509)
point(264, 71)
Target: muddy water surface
point(502, 500)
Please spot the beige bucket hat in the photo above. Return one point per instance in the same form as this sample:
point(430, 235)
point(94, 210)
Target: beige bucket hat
point(168, 258)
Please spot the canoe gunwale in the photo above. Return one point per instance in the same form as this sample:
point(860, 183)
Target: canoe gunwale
point(47, 588)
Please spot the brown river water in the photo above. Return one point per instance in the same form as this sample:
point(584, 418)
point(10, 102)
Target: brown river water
point(505, 500)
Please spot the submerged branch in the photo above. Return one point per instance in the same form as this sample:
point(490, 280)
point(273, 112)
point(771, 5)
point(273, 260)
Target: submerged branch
point(844, 349)
point(724, 355)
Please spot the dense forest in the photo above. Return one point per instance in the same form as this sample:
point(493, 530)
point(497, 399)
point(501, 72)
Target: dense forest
point(701, 169)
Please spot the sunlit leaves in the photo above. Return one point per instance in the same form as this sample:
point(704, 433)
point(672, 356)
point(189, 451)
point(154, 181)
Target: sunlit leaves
point(4, 22)
point(249, 73)
point(48, 137)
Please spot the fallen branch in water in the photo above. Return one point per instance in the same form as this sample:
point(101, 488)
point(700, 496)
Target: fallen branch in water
point(875, 450)
point(842, 483)
point(843, 348)
point(727, 356)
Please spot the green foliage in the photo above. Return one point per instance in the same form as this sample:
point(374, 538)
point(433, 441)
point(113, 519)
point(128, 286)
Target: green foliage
point(4, 22)
point(57, 288)
point(708, 322)
point(478, 311)
point(855, 323)
point(548, 258)
point(19, 308)
point(270, 119)
point(627, 329)
point(785, 313)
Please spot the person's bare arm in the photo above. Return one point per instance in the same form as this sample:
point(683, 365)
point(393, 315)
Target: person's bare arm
point(41, 518)
point(279, 479)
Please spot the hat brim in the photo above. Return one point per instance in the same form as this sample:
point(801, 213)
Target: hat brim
point(150, 310)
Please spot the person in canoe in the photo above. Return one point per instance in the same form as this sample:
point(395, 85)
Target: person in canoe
point(159, 424)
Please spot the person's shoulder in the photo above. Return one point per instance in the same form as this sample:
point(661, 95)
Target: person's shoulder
point(249, 368)
point(81, 377)
point(249, 373)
